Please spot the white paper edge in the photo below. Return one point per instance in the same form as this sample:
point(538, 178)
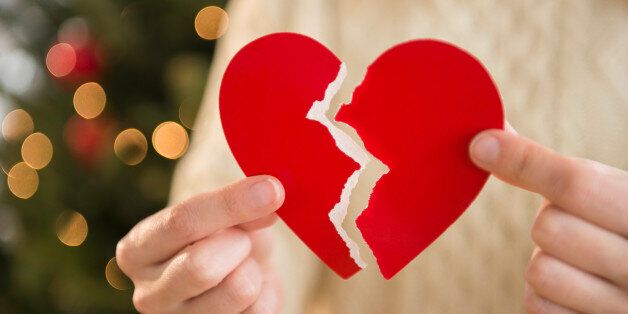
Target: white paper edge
point(318, 112)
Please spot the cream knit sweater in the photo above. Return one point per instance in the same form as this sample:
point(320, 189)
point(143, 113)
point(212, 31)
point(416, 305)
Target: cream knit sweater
point(562, 69)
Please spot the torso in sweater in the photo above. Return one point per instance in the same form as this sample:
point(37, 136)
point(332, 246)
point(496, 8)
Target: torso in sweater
point(562, 70)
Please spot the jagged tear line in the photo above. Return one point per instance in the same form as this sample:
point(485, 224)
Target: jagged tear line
point(318, 112)
point(373, 172)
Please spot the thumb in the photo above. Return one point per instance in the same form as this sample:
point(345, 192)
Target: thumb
point(587, 189)
point(521, 162)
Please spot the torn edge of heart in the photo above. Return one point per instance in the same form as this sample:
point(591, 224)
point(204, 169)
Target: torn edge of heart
point(320, 112)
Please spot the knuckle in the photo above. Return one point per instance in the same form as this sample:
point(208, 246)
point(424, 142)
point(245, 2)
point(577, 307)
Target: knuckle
point(525, 162)
point(122, 255)
point(201, 275)
point(181, 221)
point(572, 182)
point(547, 229)
point(229, 204)
point(243, 290)
point(538, 272)
point(532, 303)
point(269, 305)
point(142, 302)
point(536, 304)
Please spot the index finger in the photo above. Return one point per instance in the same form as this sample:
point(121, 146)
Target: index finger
point(587, 189)
point(160, 236)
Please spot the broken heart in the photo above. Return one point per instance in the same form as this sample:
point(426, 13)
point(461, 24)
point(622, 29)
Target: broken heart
point(417, 109)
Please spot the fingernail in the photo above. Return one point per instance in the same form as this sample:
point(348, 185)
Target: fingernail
point(485, 148)
point(264, 192)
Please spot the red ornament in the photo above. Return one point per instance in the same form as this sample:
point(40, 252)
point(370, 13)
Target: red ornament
point(72, 63)
point(86, 139)
point(418, 108)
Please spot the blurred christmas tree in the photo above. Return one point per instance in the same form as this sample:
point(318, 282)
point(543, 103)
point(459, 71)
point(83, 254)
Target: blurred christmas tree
point(97, 100)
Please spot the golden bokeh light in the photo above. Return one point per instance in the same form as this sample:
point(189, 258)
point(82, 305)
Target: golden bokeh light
point(61, 59)
point(115, 277)
point(37, 150)
point(71, 228)
point(22, 180)
point(16, 125)
point(170, 140)
point(211, 22)
point(131, 146)
point(89, 100)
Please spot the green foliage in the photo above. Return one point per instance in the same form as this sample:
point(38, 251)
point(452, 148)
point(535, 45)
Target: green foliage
point(153, 62)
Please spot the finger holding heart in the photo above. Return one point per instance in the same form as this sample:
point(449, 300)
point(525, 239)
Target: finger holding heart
point(208, 254)
point(581, 260)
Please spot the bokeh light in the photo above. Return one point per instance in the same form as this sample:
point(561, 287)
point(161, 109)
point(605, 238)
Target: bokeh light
point(16, 125)
point(130, 146)
point(71, 228)
point(170, 140)
point(61, 59)
point(37, 150)
point(89, 100)
point(22, 180)
point(211, 22)
point(74, 31)
point(88, 140)
point(115, 277)
point(19, 72)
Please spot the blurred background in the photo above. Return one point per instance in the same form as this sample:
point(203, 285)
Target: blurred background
point(97, 100)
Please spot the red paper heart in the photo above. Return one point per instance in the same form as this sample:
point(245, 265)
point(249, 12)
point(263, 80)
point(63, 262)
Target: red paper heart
point(417, 109)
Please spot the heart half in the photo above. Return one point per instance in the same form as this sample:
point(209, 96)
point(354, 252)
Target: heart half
point(420, 104)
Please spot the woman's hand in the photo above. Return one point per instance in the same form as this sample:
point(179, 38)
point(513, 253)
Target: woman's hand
point(209, 254)
point(581, 260)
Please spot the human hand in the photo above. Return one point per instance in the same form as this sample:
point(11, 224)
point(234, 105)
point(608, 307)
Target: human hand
point(209, 254)
point(580, 263)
